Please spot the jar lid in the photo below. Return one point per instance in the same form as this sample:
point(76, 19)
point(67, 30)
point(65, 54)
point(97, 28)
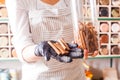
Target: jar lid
point(104, 12)
point(116, 2)
point(114, 38)
point(3, 28)
point(115, 27)
point(103, 51)
point(3, 41)
point(3, 12)
point(104, 2)
point(115, 50)
point(104, 38)
point(104, 27)
point(4, 53)
point(115, 12)
point(88, 12)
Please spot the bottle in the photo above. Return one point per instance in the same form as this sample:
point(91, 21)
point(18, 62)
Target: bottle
point(89, 75)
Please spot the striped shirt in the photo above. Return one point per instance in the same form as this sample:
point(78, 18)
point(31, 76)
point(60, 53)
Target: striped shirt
point(35, 22)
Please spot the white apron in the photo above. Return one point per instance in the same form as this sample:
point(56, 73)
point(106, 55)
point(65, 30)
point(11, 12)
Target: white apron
point(52, 24)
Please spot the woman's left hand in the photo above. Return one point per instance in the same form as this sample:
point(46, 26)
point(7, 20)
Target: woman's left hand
point(86, 54)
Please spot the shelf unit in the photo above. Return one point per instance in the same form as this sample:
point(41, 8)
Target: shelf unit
point(108, 26)
point(6, 47)
point(9, 63)
point(112, 18)
point(109, 18)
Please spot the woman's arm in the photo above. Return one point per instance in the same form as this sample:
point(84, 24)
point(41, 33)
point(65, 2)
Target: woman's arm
point(19, 23)
point(28, 54)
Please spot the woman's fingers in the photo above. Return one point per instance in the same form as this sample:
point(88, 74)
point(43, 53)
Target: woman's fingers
point(95, 54)
point(85, 54)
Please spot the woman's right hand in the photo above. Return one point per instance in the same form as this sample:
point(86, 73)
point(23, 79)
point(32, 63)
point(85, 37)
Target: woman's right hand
point(45, 50)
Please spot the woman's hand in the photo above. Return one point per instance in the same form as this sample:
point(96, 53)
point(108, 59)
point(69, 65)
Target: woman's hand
point(86, 54)
point(45, 50)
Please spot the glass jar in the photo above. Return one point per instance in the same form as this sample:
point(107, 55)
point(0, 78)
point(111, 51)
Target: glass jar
point(84, 28)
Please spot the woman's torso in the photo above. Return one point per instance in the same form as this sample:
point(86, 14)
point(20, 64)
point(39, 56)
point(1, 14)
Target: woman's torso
point(51, 23)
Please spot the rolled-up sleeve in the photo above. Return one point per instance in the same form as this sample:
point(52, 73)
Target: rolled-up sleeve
point(19, 24)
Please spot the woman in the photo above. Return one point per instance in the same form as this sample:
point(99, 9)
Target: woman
point(34, 21)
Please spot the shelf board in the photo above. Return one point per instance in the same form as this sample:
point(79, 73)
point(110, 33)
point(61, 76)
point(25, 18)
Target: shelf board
point(104, 56)
point(97, 57)
point(8, 59)
point(3, 19)
point(109, 19)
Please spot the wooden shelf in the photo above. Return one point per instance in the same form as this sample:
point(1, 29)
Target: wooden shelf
point(108, 14)
point(9, 59)
point(104, 56)
point(109, 19)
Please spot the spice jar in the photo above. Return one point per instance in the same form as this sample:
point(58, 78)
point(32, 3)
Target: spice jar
point(115, 27)
point(115, 50)
point(104, 2)
point(104, 27)
point(104, 38)
point(114, 38)
point(115, 12)
point(103, 12)
point(104, 50)
point(116, 2)
point(89, 75)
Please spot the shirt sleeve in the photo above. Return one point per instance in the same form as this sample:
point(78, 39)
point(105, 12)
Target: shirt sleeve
point(19, 24)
